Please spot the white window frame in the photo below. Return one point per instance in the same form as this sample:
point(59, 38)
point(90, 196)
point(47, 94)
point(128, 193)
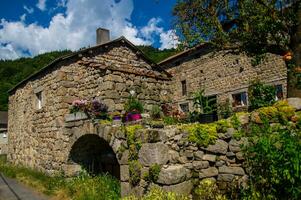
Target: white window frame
point(39, 97)
point(243, 104)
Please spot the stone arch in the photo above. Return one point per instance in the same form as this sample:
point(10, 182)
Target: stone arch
point(95, 155)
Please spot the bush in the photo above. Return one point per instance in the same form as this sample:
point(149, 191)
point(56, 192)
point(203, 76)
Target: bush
point(208, 190)
point(153, 173)
point(133, 105)
point(273, 157)
point(156, 112)
point(201, 134)
point(261, 95)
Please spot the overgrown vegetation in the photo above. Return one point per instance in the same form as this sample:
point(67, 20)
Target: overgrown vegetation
point(83, 187)
point(153, 173)
point(157, 55)
point(261, 95)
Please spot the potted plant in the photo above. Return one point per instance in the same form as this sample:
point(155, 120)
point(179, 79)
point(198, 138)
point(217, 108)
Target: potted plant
point(133, 108)
point(206, 105)
point(116, 116)
point(98, 110)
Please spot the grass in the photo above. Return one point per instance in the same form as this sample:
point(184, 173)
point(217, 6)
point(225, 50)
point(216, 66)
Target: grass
point(83, 187)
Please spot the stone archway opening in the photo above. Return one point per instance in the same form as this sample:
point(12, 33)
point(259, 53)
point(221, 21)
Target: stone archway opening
point(95, 155)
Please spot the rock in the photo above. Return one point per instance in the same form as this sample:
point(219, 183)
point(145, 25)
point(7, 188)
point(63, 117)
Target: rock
point(170, 132)
point(225, 177)
point(240, 156)
point(151, 153)
point(181, 188)
point(234, 145)
point(243, 118)
point(219, 147)
point(209, 172)
point(255, 117)
point(125, 189)
point(295, 103)
point(198, 155)
point(219, 163)
point(124, 173)
point(155, 135)
point(173, 174)
point(230, 154)
point(183, 160)
point(209, 157)
point(173, 156)
point(231, 170)
point(200, 164)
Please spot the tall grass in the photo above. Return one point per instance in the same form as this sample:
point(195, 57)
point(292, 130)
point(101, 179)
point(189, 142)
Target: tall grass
point(83, 187)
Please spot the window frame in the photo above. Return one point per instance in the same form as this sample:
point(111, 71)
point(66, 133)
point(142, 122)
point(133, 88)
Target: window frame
point(243, 100)
point(39, 100)
point(184, 87)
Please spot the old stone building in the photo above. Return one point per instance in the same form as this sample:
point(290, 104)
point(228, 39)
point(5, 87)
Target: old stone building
point(42, 135)
point(38, 105)
point(223, 74)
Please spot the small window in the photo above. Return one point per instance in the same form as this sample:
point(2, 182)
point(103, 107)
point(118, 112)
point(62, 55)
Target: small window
point(184, 107)
point(184, 88)
point(279, 92)
point(239, 99)
point(39, 100)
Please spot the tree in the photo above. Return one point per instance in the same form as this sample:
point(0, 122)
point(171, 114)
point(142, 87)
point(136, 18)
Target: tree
point(255, 26)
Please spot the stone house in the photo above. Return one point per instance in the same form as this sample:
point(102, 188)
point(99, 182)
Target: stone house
point(225, 75)
point(41, 136)
point(107, 71)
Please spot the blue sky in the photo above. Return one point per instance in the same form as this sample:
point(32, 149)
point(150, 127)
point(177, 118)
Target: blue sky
point(31, 27)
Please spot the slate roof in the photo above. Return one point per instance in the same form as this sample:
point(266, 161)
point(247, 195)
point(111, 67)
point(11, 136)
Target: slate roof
point(122, 39)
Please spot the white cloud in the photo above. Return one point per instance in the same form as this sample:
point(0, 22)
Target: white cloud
point(76, 28)
point(169, 40)
point(41, 5)
point(23, 17)
point(28, 9)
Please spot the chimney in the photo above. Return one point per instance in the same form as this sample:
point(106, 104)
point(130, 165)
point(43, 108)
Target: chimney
point(102, 36)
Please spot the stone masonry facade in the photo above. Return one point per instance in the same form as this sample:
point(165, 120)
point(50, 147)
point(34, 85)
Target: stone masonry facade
point(36, 135)
point(40, 136)
point(222, 74)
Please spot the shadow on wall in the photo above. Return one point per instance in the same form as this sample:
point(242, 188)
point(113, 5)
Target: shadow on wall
point(95, 155)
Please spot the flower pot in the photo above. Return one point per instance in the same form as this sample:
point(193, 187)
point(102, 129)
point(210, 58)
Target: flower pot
point(135, 117)
point(208, 118)
point(117, 118)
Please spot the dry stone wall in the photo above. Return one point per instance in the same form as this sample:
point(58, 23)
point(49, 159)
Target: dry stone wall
point(223, 73)
point(36, 136)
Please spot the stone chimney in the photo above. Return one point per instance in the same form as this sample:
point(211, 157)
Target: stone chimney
point(102, 36)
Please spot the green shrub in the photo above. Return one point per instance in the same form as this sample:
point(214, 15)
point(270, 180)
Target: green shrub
point(135, 172)
point(260, 95)
point(153, 173)
point(168, 120)
point(201, 134)
point(222, 126)
point(156, 112)
point(208, 190)
point(273, 157)
point(158, 194)
point(225, 109)
point(133, 105)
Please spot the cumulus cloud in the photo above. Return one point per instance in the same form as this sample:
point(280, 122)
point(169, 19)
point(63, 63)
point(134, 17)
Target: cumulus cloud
point(41, 5)
point(169, 40)
point(76, 28)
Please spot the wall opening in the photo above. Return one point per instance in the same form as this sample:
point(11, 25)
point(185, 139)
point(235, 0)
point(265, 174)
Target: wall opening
point(95, 156)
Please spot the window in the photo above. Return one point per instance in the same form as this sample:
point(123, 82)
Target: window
point(39, 100)
point(239, 99)
point(184, 107)
point(279, 92)
point(184, 88)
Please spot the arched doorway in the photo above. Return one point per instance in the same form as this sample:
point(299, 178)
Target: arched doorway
point(95, 155)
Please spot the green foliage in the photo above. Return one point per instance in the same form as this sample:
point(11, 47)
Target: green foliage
point(256, 25)
point(208, 190)
point(14, 71)
point(158, 194)
point(84, 187)
point(201, 134)
point(153, 173)
point(133, 105)
point(273, 157)
point(156, 112)
point(169, 120)
point(222, 126)
point(225, 109)
point(132, 141)
point(261, 95)
point(157, 55)
point(202, 102)
point(235, 122)
point(135, 172)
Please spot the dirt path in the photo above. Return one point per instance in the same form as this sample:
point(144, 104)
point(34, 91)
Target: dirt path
point(10, 189)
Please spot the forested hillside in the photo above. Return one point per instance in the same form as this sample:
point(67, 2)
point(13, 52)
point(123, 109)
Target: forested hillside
point(14, 71)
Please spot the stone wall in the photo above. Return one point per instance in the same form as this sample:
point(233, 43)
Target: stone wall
point(182, 163)
point(36, 136)
point(222, 73)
